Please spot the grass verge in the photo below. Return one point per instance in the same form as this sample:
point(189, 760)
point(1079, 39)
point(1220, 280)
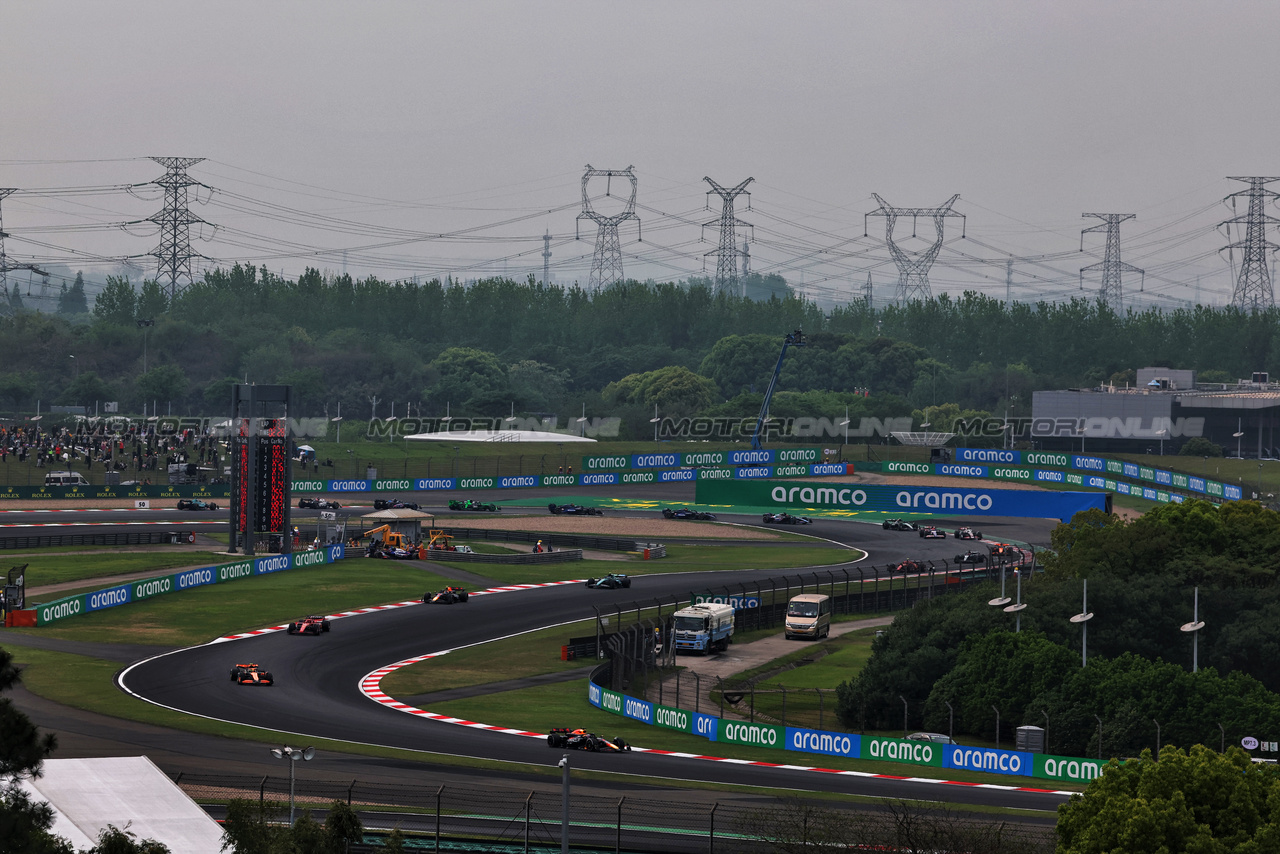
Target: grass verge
point(204, 613)
point(61, 568)
point(533, 654)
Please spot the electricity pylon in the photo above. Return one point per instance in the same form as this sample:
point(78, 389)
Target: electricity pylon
point(868, 292)
point(546, 259)
point(1111, 293)
point(913, 267)
point(606, 265)
point(1253, 285)
point(727, 253)
point(5, 264)
point(174, 252)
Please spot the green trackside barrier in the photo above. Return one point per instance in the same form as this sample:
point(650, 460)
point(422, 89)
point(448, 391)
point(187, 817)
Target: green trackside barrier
point(752, 735)
point(137, 591)
point(904, 751)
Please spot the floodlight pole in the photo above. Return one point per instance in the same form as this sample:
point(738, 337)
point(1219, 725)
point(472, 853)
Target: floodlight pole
point(564, 804)
point(292, 754)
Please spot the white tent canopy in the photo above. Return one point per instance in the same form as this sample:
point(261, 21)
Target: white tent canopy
point(88, 794)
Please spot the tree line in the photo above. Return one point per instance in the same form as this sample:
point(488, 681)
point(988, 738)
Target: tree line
point(484, 348)
point(1142, 578)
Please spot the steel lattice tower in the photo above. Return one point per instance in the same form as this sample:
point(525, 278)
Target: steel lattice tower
point(746, 267)
point(727, 253)
point(175, 221)
point(913, 267)
point(5, 265)
point(1253, 286)
point(4, 261)
point(868, 291)
point(546, 259)
point(1112, 292)
point(606, 265)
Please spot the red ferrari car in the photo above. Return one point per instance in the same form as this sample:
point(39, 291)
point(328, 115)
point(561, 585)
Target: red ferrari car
point(312, 625)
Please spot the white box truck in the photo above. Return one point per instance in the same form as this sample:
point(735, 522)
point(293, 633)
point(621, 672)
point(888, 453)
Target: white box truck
point(704, 627)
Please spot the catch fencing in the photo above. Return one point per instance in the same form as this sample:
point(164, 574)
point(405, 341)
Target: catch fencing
point(452, 818)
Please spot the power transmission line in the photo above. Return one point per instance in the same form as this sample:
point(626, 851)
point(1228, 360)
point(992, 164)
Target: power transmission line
point(1111, 293)
point(727, 253)
point(606, 266)
point(913, 267)
point(1253, 285)
point(174, 252)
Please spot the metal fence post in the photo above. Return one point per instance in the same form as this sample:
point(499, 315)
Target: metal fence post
point(819, 690)
point(528, 810)
point(721, 683)
point(784, 704)
point(262, 788)
point(350, 789)
point(753, 702)
point(711, 831)
point(439, 793)
point(697, 694)
point(617, 842)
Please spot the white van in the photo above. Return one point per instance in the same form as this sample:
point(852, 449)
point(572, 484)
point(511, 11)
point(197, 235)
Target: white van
point(809, 616)
point(64, 478)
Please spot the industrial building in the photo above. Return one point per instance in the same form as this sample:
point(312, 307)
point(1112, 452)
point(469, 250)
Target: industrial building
point(1159, 414)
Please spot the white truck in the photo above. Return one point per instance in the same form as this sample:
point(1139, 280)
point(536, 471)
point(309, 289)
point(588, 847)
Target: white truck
point(704, 627)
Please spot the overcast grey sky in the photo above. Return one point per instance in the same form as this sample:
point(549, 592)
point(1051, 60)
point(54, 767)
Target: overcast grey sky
point(471, 114)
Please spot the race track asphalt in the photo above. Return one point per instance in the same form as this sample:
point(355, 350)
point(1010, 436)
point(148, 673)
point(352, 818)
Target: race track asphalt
point(317, 694)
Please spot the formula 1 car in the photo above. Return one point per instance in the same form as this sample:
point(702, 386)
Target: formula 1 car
point(447, 596)
point(472, 504)
point(312, 625)
point(612, 581)
point(909, 566)
point(393, 504)
point(786, 519)
point(580, 739)
point(1006, 551)
point(687, 513)
point(931, 533)
point(196, 504)
point(390, 552)
point(971, 557)
point(317, 504)
point(898, 525)
point(251, 674)
point(967, 534)
point(574, 510)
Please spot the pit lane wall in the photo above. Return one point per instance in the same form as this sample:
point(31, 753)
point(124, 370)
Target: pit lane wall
point(178, 582)
point(900, 498)
point(773, 737)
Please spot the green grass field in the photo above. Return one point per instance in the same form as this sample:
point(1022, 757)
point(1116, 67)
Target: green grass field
point(58, 568)
point(205, 613)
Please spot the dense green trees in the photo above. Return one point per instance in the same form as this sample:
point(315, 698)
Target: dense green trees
point(350, 340)
point(251, 827)
point(1194, 801)
point(1141, 576)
